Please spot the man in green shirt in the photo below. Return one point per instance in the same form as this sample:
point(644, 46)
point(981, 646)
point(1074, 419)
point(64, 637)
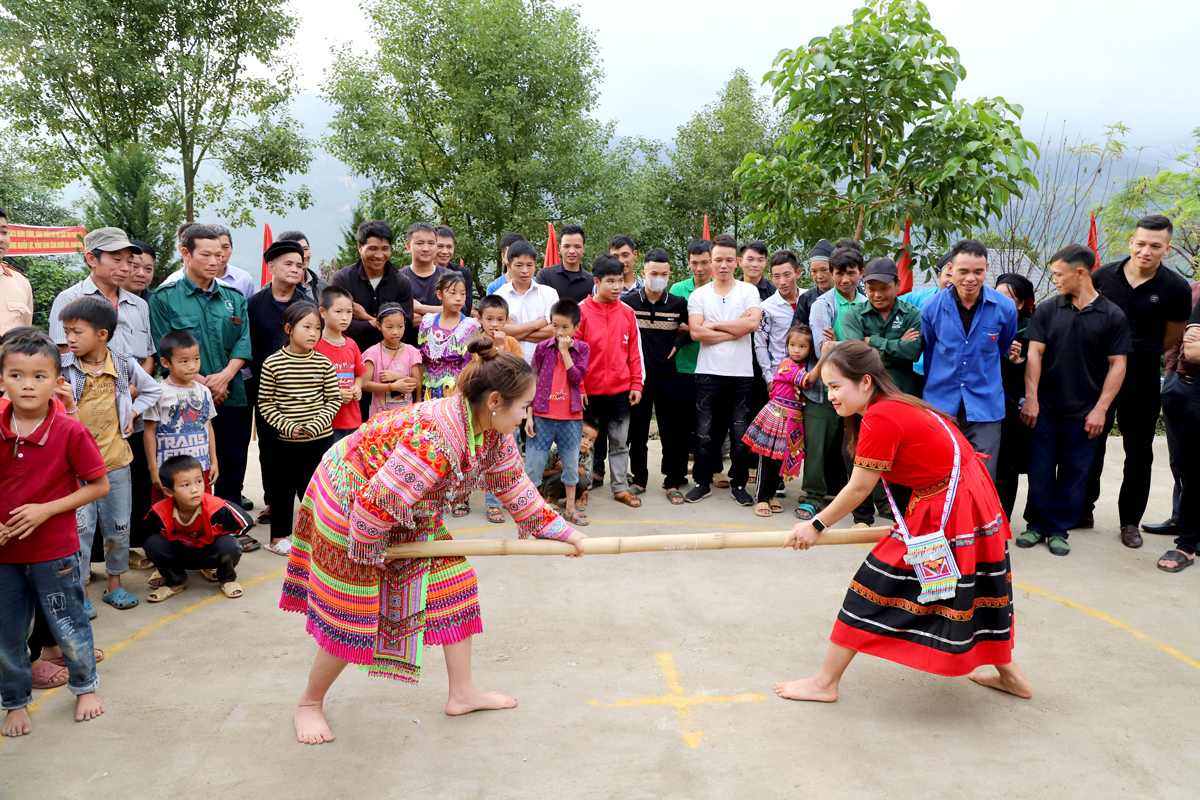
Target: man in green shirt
point(216, 315)
point(891, 326)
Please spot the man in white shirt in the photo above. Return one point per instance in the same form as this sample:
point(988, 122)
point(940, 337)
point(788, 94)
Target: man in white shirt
point(529, 303)
point(722, 316)
point(778, 311)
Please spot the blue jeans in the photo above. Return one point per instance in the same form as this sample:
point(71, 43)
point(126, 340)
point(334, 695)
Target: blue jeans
point(567, 434)
point(1060, 458)
point(113, 510)
point(57, 587)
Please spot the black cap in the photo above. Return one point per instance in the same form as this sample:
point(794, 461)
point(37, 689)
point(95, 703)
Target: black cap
point(881, 269)
point(280, 248)
point(821, 251)
point(1018, 282)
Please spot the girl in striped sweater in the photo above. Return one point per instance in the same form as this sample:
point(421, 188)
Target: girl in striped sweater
point(298, 397)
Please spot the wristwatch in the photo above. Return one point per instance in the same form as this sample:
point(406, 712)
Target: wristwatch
point(816, 523)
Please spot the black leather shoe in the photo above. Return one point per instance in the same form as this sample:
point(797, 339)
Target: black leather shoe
point(1085, 522)
point(1130, 536)
point(1168, 528)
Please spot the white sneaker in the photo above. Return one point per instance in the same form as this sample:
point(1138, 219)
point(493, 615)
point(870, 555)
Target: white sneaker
point(282, 547)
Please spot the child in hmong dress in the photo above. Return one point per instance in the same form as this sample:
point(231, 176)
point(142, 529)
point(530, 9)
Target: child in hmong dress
point(388, 483)
point(443, 338)
point(777, 433)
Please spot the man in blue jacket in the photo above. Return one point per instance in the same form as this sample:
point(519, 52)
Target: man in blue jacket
point(968, 330)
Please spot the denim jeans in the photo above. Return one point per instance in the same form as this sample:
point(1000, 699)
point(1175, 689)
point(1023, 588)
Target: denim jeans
point(1060, 457)
point(58, 588)
point(722, 408)
point(567, 434)
point(113, 511)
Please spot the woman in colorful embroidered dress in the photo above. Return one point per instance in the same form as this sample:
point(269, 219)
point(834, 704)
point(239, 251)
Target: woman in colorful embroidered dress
point(385, 484)
point(777, 433)
point(443, 337)
point(888, 610)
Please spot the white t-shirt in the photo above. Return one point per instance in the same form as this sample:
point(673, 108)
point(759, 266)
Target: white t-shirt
point(534, 304)
point(732, 359)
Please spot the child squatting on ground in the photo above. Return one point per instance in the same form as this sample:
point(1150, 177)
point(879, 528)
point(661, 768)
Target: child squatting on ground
point(50, 466)
point(101, 379)
point(192, 529)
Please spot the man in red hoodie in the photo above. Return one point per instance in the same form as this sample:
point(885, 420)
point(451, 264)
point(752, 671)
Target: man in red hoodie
point(613, 383)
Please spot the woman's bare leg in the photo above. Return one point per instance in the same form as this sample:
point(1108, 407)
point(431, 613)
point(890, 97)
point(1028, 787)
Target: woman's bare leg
point(311, 727)
point(1011, 679)
point(822, 687)
point(464, 697)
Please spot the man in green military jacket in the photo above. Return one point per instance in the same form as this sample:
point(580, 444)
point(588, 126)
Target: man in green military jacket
point(891, 326)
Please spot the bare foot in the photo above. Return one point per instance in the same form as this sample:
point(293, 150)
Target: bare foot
point(17, 723)
point(479, 701)
point(1009, 679)
point(807, 689)
point(311, 727)
point(88, 706)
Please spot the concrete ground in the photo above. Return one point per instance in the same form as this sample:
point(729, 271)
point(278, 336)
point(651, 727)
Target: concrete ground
point(648, 676)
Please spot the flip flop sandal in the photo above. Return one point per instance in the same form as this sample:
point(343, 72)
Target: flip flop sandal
point(1178, 558)
point(461, 510)
point(210, 574)
point(721, 481)
point(805, 511)
point(762, 510)
point(776, 506)
point(47, 675)
point(163, 592)
point(264, 516)
point(495, 515)
point(156, 580)
point(578, 518)
point(120, 599)
point(140, 562)
point(281, 548)
point(675, 496)
point(637, 491)
point(62, 662)
point(625, 498)
point(232, 589)
point(249, 544)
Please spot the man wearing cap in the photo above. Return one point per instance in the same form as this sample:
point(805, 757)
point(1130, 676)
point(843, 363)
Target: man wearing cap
point(215, 313)
point(285, 262)
point(890, 325)
point(818, 265)
point(109, 256)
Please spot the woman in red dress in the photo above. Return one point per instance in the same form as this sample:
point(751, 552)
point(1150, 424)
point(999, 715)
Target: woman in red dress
point(937, 604)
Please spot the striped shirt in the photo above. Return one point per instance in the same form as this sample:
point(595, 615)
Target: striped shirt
point(299, 390)
point(133, 319)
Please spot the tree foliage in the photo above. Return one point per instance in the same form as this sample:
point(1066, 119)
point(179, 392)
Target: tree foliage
point(205, 82)
point(132, 193)
point(877, 136)
point(1173, 193)
point(475, 114)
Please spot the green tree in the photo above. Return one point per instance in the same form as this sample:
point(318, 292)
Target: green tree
point(475, 114)
point(201, 81)
point(1173, 193)
point(131, 193)
point(876, 136)
point(696, 176)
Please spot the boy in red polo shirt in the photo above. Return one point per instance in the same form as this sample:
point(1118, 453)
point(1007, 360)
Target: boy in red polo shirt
point(45, 456)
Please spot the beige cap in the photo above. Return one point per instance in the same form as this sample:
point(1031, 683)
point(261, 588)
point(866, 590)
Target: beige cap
point(109, 240)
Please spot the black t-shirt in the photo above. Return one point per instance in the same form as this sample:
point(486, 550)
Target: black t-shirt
point(1078, 344)
point(805, 303)
point(1166, 297)
point(424, 289)
point(576, 285)
point(965, 315)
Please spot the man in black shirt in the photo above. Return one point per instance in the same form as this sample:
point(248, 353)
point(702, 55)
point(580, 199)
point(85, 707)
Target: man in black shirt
point(569, 278)
point(659, 317)
point(423, 273)
point(1157, 302)
point(818, 266)
point(1078, 345)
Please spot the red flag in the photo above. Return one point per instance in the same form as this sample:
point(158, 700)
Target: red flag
point(551, 247)
point(1094, 242)
point(462, 263)
point(903, 268)
point(705, 236)
point(267, 242)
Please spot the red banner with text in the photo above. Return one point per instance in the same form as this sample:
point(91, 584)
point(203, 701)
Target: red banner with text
point(31, 240)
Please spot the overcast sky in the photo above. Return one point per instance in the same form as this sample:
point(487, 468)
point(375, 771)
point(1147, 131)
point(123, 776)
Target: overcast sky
point(1085, 62)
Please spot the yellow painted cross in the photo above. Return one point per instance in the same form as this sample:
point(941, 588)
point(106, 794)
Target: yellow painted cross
point(681, 701)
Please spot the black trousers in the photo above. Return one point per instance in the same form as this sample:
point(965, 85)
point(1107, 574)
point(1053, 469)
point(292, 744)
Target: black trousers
point(231, 427)
point(722, 409)
point(1136, 411)
point(139, 477)
point(768, 478)
point(173, 559)
point(1013, 458)
point(1175, 391)
point(662, 398)
point(268, 439)
point(288, 477)
point(1189, 499)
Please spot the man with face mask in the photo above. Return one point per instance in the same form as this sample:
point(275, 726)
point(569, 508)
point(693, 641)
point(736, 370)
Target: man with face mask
point(659, 318)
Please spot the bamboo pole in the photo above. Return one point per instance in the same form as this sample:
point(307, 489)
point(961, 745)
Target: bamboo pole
point(616, 545)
